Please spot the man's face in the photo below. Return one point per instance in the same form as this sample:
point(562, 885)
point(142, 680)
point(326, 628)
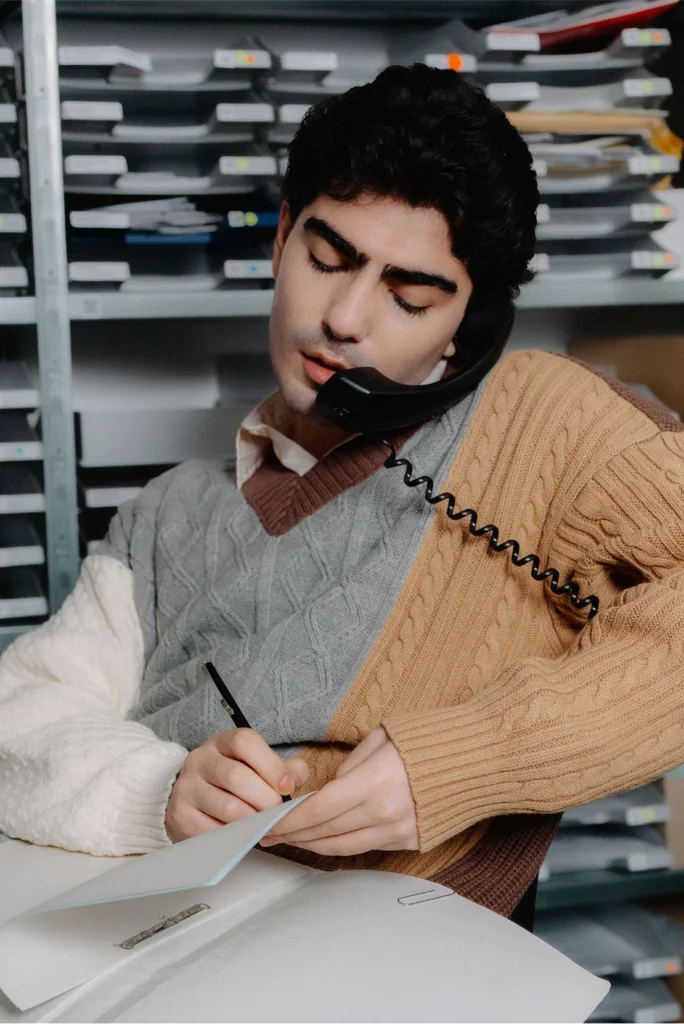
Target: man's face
point(371, 282)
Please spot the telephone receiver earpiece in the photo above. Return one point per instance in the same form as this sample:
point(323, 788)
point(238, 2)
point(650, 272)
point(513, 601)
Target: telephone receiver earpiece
point(364, 401)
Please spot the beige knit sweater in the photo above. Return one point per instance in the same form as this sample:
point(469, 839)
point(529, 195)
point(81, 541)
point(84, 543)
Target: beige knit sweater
point(525, 706)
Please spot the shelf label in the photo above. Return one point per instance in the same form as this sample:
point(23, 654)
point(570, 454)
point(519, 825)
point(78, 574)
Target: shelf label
point(539, 263)
point(104, 56)
point(247, 165)
point(543, 213)
point(245, 112)
point(657, 967)
point(309, 60)
point(99, 271)
point(8, 113)
point(647, 259)
point(451, 61)
point(234, 269)
point(659, 163)
point(87, 110)
point(645, 37)
point(540, 168)
point(639, 87)
point(109, 165)
point(99, 219)
point(292, 113)
point(249, 219)
point(501, 40)
point(513, 92)
point(231, 60)
point(649, 212)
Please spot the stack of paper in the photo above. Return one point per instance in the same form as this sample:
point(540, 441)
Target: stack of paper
point(172, 934)
point(578, 86)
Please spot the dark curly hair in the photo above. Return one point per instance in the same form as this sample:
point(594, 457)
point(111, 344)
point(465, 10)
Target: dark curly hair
point(429, 139)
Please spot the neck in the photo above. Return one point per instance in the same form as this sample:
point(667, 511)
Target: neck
point(316, 438)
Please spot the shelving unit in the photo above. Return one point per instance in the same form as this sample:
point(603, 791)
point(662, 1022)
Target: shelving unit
point(56, 311)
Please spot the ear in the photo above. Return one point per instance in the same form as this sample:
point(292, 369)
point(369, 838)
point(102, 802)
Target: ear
point(284, 228)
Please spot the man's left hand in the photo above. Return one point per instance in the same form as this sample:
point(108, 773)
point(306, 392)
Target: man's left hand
point(367, 806)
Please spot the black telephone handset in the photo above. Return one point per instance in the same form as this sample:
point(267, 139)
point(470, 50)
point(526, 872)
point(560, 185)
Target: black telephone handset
point(364, 401)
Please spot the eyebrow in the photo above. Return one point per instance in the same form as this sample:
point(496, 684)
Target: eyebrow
point(317, 226)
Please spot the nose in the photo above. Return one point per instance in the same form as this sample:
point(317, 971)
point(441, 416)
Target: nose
point(346, 318)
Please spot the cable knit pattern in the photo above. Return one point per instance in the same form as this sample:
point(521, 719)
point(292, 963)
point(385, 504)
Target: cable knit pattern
point(73, 772)
point(360, 606)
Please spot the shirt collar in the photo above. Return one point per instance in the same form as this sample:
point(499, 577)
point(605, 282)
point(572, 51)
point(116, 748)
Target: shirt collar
point(267, 427)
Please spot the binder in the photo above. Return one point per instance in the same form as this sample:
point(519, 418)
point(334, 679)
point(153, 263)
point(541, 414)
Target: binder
point(174, 933)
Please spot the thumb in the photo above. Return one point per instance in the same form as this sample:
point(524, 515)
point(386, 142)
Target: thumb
point(375, 739)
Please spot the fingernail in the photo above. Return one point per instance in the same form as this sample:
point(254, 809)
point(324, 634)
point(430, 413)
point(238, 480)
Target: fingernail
point(265, 841)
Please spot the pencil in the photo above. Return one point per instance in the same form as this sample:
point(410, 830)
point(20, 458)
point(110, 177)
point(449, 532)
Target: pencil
point(229, 702)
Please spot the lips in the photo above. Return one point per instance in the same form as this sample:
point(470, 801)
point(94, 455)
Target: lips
point(320, 369)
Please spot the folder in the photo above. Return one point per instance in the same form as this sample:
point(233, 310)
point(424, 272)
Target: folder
point(376, 946)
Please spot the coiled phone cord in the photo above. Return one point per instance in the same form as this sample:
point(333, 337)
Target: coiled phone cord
point(551, 574)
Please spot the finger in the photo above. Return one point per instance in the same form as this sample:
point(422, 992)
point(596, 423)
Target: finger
point(368, 746)
point(221, 806)
point(348, 845)
point(248, 746)
point(352, 821)
point(193, 823)
point(336, 798)
point(236, 778)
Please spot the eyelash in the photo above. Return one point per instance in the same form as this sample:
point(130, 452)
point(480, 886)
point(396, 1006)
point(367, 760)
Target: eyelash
point(326, 268)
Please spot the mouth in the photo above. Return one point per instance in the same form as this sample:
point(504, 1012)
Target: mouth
point(320, 368)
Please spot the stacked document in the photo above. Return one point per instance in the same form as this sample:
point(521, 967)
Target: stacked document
point(579, 87)
point(173, 934)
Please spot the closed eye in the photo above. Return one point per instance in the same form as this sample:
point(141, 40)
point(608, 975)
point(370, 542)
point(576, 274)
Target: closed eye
point(324, 268)
point(408, 308)
point(329, 268)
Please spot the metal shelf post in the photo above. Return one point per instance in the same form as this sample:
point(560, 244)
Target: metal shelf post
point(52, 314)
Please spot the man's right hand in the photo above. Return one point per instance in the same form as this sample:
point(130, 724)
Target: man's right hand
point(232, 775)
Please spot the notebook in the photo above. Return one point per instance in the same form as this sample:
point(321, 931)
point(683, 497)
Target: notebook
point(166, 935)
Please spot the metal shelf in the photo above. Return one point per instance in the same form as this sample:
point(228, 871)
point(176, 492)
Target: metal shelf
point(169, 305)
point(8, 634)
point(583, 888)
point(115, 305)
point(18, 310)
point(626, 291)
point(314, 10)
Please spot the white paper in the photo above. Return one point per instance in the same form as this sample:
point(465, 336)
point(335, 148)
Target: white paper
point(369, 957)
point(61, 942)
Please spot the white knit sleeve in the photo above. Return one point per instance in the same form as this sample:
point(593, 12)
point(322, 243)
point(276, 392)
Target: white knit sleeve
point(73, 772)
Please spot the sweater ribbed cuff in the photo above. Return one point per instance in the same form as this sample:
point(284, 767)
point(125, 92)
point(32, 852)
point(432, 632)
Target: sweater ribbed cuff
point(144, 791)
point(456, 766)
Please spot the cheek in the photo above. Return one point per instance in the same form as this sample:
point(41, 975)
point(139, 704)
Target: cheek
point(408, 353)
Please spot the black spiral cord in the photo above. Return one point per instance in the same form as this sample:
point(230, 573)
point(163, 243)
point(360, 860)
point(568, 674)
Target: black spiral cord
point(551, 574)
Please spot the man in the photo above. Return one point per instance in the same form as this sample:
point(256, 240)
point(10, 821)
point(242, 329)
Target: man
point(445, 704)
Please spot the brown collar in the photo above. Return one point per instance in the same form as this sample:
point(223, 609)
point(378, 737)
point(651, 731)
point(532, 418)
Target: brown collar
point(282, 499)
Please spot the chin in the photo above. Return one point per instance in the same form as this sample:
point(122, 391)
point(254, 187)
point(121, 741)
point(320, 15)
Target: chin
point(299, 397)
